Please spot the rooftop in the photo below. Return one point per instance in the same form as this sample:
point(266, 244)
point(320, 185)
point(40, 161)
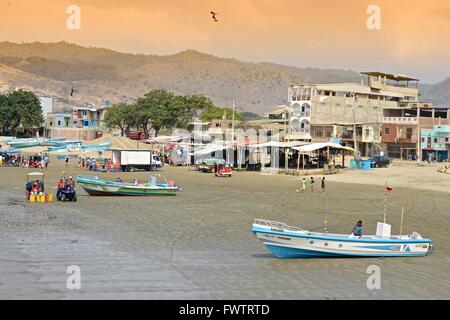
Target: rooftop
point(389, 76)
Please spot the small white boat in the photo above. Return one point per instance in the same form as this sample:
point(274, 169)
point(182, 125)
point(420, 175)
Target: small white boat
point(287, 242)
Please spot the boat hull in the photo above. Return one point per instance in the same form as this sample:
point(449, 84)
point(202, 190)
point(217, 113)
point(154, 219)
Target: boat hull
point(284, 244)
point(101, 188)
point(125, 192)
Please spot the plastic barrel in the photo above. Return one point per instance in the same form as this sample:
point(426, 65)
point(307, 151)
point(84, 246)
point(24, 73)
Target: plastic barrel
point(32, 198)
point(42, 198)
point(353, 164)
point(49, 197)
point(366, 165)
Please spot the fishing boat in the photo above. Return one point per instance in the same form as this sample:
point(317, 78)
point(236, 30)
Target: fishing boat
point(98, 187)
point(97, 147)
point(21, 144)
point(63, 156)
point(286, 242)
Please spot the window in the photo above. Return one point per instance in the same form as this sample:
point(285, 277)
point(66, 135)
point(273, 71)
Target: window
point(423, 140)
point(59, 123)
point(367, 132)
point(305, 126)
point(435, 140)
point(297, 110)
point(386, 131)
point(295, 126)
point(217, 125)
point(409, 133)
point(446, 139)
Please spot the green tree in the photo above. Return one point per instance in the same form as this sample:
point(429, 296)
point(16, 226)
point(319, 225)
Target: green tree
point(184, 108)
point(220, 113)
point(154, 109)
point(120, 116)
point(20, 108)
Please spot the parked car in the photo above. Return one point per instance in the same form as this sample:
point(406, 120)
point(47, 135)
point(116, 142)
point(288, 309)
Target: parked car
point(380, 162)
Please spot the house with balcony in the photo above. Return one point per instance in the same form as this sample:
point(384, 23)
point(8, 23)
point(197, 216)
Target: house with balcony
point(435, 143)
point(88, 116)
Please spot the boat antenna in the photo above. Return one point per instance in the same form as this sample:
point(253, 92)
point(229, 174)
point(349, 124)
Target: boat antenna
point(401, 221)
point(388, 189)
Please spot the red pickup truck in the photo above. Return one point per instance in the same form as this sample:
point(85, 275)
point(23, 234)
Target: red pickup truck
point(137, 136)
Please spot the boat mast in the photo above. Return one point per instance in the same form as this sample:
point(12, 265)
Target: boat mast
point(385, 202)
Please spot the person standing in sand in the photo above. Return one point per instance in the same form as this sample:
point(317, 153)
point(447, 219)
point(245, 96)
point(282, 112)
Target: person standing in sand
point(323, 184)
point(311, 184)
point(303, 185)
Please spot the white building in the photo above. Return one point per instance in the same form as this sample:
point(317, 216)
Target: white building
point(47, 106)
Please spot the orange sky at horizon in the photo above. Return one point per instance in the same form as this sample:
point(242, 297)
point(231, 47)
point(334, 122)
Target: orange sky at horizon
point(414, 39)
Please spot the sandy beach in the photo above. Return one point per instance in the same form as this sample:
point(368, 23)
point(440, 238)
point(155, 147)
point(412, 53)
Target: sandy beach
point(198, 245)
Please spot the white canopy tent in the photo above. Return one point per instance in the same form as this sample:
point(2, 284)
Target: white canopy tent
point(279, 144)
point(317, 146)
point(211, 149)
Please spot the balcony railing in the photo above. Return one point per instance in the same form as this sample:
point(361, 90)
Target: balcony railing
point(400, 120)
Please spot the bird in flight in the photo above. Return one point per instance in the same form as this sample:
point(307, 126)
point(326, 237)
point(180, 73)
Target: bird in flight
point(214, 14)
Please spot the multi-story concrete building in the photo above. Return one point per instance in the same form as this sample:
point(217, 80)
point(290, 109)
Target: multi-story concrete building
point(88, 116)
point(380, 114)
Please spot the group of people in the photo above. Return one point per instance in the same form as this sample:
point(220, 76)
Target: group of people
point(40, 160)
point(65, 184)
point(35, 188)
point(87, 163)
point(312, 184)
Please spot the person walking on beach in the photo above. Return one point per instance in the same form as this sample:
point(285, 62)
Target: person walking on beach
point(323, 184)
point(303, 185)
point(67, 160)
point(358, 229)
point(311, 184)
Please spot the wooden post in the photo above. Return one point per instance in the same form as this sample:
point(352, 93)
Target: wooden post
point(303, 163)
point(298, 162)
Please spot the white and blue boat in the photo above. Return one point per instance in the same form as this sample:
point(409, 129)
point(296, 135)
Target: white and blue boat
point(286, 242)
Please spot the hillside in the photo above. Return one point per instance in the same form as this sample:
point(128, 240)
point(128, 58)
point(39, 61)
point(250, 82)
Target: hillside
point(54, 68)
point(439, 93)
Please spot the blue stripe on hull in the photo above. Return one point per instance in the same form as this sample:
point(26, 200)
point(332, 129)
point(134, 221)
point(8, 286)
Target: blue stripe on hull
point(292, 253)
point(295, 253)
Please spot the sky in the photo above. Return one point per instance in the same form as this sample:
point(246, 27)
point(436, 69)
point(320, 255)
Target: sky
point(414, 38)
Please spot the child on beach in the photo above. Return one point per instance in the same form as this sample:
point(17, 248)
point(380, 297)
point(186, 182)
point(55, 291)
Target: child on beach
point(303, 185)
point(323, 184)
point(311, 184)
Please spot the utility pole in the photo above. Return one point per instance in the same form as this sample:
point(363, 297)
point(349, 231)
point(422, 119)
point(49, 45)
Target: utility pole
point(232, 131)
point(419, 136)
point(354, 132)
point(287, 132)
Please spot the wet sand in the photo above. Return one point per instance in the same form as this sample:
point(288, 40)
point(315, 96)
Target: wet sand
point(198, 245)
